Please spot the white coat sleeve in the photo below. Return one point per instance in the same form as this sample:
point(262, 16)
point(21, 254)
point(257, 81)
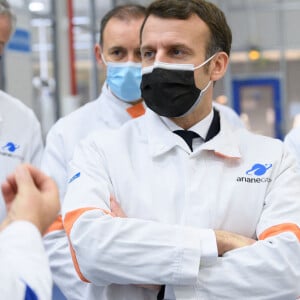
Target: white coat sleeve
point(270, 268)
point(54, 162)
point(56, 242)
point(24, 271)
point(292, 142)
point(108, 249)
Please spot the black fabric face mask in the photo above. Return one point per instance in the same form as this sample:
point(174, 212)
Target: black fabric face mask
point(170, 90)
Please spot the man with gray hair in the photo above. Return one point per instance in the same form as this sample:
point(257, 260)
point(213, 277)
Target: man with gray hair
point(7, 24)
point(20, 139)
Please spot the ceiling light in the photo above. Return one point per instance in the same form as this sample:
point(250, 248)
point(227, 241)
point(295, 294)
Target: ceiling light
point(36, 6)
point(254, 53)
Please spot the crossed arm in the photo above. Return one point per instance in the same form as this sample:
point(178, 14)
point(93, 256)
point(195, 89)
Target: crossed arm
point(212, 279)
point(226, 240)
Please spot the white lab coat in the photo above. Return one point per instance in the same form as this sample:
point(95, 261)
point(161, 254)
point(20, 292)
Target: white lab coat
point(105, 112)
point(20, 138)
point(292, 141)
point(230, 115)
point(23, 263)
point(237, 181)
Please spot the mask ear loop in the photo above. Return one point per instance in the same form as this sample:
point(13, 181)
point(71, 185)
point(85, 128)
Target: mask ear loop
point(205, 62)
point(201, 65)
point(103, 59)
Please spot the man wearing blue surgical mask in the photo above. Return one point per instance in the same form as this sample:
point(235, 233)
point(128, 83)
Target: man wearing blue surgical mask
point(118, 52)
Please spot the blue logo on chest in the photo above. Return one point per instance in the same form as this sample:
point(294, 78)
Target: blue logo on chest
point(258, 169)
point(10, 147)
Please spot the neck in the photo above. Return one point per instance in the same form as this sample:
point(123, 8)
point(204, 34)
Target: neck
point(136, 102)
point(198, 114)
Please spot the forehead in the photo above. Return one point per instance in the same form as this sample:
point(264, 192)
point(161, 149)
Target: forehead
point(123, 33)
point(193, 31)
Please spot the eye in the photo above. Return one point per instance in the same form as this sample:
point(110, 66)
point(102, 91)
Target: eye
point(117, 54)
point(177, 52)
point(148, 54)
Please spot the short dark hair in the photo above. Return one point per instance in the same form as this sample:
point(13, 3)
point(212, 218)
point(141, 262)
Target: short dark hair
point(123, 12)
point(214, 18)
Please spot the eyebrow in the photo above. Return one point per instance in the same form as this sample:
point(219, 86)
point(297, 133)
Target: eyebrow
point(116, 48)
point(179, 45)
point(145, 47)
point(176, 45)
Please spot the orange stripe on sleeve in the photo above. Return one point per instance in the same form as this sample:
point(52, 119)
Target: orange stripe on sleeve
point(57, 225)
point(136, 110)
point(274, 230)
point(69, 220)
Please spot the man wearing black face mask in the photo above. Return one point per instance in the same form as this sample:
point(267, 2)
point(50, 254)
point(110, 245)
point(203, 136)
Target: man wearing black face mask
point(191, 188)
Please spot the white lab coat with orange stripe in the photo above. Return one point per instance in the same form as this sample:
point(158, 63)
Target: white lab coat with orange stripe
point(237, 181)
point(105, 112)
point(24, 268)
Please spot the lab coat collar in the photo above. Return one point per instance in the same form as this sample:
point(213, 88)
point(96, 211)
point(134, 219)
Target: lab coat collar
point(112, 106)
point(225, 144)
point(161, 139)
point(109, 96)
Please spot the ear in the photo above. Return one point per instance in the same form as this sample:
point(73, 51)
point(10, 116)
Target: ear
point(98, 51)
point(219, 66)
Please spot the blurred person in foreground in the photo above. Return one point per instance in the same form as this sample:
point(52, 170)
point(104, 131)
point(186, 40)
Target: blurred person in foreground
point(32, 204)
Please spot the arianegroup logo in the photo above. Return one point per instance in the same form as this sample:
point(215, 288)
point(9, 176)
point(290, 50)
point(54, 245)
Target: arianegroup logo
point(255, 173)
point(10, 149)
point(259, 169)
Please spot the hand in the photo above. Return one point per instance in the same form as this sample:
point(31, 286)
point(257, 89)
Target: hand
point(117, 211)
point(31, 196)
point(227, 241)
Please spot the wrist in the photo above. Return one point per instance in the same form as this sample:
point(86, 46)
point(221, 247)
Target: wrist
point(7, 221)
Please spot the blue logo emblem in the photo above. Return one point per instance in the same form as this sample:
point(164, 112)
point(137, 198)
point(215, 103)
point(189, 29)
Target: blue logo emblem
point(74, 177)
point(11, 147)
point(258, 169)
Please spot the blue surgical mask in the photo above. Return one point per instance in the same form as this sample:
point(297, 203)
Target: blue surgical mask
point(124, 79)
